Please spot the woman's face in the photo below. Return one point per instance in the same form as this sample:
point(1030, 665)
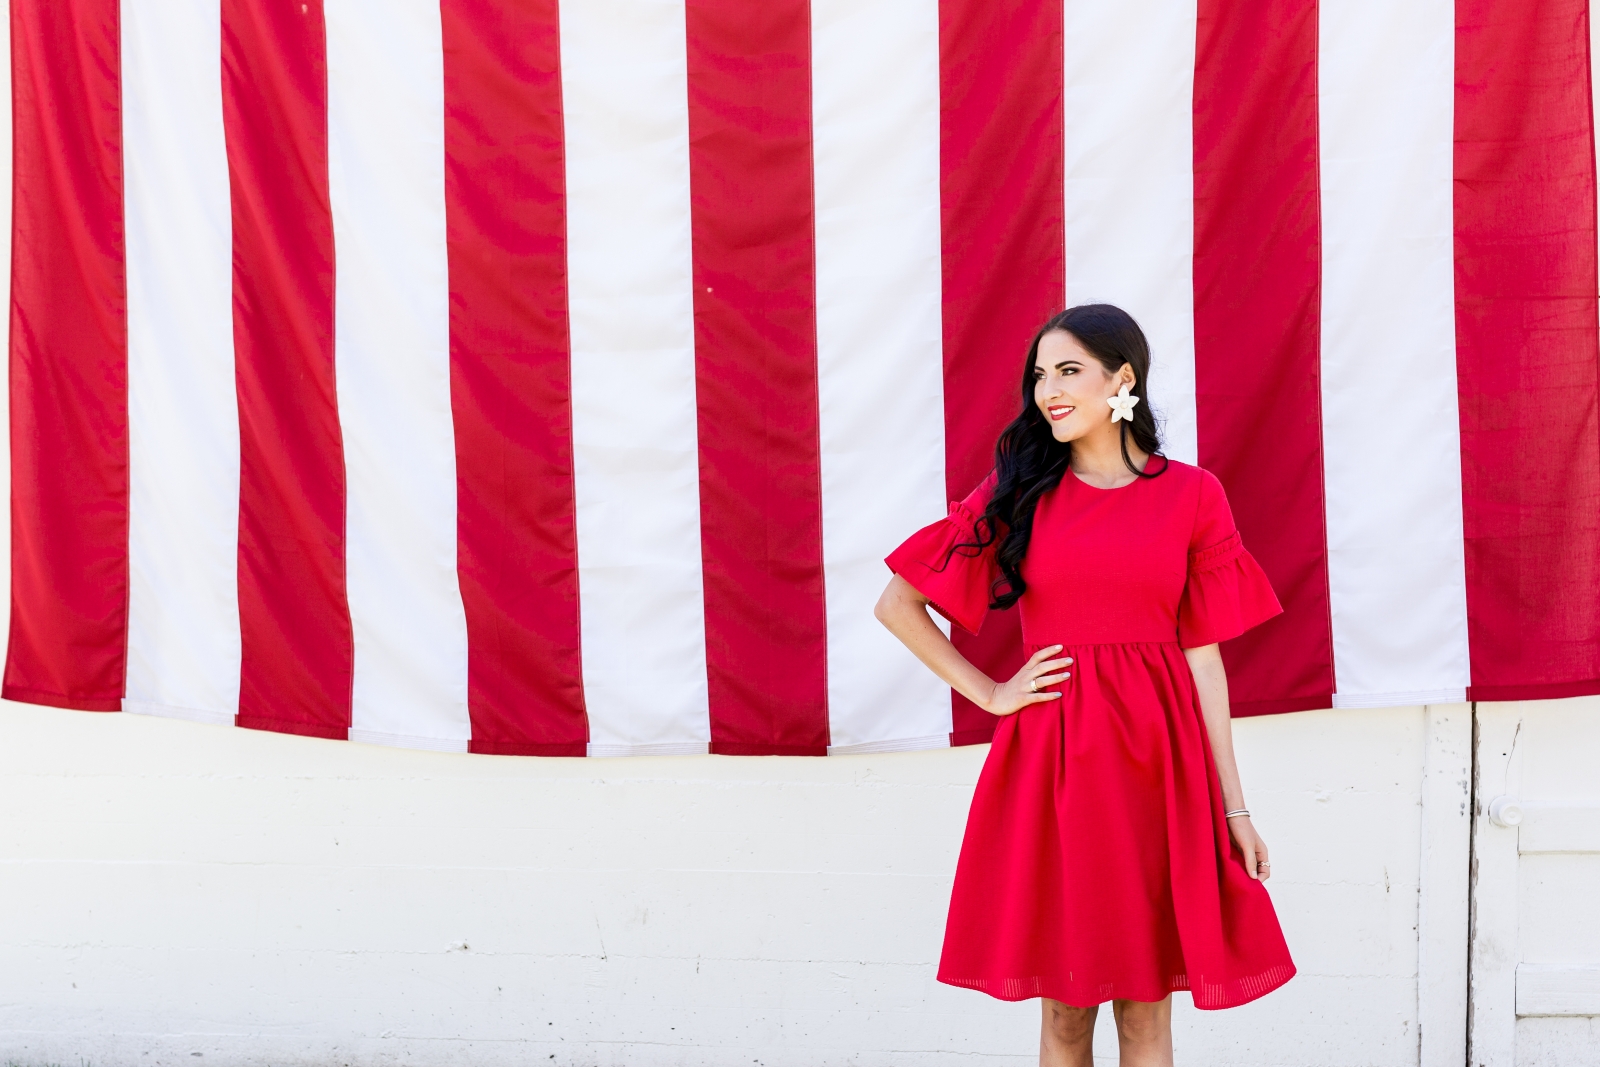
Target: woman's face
point(1071, 387)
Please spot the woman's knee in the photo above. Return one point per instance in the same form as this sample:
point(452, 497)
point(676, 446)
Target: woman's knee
point(1141, 1022)
point(1068, 1024)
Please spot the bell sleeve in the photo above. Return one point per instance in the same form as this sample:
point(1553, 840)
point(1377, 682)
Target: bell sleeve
point(1227, 592)
point(944, 564)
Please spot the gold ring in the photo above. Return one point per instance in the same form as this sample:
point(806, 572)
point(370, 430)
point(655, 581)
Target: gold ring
point(1033, 685)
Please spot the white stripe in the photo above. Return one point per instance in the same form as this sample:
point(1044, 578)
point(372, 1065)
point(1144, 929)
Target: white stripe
point(392, 356)
point(1129, 175)
point(1401, 699)
point(179, 711)
point(183, 413)
point(635, 444)
point(1391, 433)
point(875, 129)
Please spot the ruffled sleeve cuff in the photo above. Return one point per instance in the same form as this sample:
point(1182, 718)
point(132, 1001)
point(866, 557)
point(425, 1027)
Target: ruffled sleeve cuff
point(956, 581)
point(1226, 595)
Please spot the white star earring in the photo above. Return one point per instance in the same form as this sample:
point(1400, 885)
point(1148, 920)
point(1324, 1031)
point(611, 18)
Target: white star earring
point(1122, 404)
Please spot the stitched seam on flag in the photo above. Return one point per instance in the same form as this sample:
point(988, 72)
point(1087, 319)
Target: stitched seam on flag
point(127, 466)
point(50, 699)
point(1322, 444)
point(333, 377)
point(175, 711)
point(909, 744)
point(566, 399)
point(1535, 691)
point(1404, 699)
point(1594, 172)
point(816, 377)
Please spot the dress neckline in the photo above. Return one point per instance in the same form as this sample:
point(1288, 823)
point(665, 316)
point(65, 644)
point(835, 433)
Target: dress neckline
point(1136, 478)
point(1100, 489)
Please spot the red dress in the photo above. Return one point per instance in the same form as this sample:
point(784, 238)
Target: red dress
point(1097, 864)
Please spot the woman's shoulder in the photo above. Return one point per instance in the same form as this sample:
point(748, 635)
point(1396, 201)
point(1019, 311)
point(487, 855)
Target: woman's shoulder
point(1198, 493)
point(1185, 476)
point(1194, 486)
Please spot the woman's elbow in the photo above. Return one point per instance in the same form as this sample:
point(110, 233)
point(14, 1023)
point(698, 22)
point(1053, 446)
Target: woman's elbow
point(884, 609)
point(893, 602)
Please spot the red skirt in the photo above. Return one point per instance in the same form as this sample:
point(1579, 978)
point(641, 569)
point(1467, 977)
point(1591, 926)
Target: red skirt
point(1097, 864)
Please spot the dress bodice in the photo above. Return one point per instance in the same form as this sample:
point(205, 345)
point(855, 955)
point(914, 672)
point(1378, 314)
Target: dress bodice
point(1157, 560)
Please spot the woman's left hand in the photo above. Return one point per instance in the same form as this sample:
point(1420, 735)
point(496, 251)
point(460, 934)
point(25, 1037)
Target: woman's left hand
point(1250, 843)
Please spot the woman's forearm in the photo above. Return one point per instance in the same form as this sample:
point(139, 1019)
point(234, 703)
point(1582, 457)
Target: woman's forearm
point(1211, 683)
point(904, 612)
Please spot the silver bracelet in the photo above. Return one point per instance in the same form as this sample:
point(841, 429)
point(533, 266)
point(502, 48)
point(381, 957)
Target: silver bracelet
point(1236, 811)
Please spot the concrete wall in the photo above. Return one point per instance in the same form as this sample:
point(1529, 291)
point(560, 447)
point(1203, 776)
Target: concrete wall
point(177, 893)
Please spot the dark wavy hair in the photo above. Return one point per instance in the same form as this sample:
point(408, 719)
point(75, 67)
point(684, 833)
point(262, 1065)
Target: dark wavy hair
point(1029, 461)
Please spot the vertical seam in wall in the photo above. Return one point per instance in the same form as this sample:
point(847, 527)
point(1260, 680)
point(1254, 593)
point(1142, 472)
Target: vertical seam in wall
point(1422, 877)
point(1472, 876)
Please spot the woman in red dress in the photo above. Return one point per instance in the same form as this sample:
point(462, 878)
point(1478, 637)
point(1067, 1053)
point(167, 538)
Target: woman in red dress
point(1108, 852)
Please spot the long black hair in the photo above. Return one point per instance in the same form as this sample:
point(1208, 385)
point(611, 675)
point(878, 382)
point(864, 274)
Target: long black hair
point(1029, 461)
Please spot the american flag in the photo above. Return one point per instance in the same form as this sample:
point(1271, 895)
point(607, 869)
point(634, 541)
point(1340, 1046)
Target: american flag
point(536, 377)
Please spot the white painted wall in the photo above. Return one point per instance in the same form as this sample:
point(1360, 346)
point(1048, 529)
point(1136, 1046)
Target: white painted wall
point(178, 893)
point(1536, 932)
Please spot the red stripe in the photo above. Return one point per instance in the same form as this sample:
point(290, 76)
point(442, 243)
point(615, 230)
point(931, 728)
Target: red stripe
point(69, 359)
point(510, 383)
point(1526, 346)
point(293, 616)
point(756, 374)
point(1257, 268)
point(1003, 230)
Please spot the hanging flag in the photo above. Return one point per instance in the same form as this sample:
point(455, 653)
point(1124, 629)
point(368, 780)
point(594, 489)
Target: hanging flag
point(552, 377)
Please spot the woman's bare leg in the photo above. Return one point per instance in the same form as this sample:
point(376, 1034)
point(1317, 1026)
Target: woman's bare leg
point(1066, 1038)
point(1144, 1032)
